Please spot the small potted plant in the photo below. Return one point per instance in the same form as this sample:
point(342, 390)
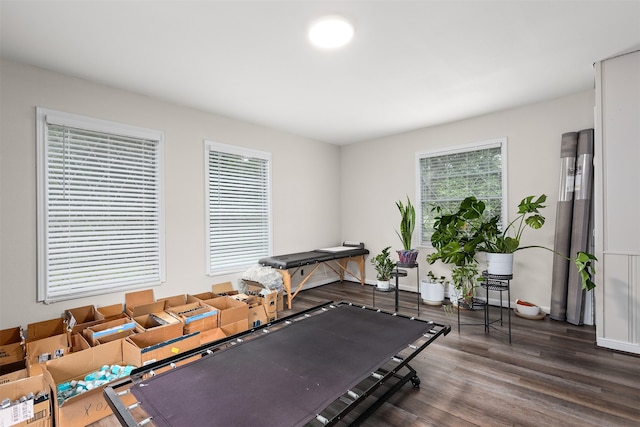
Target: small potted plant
point(408, 255)
point(432, 289)
point(384, 267)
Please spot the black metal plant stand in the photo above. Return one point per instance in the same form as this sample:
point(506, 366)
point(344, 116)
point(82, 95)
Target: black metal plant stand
point(498, 283)
point(397, 273)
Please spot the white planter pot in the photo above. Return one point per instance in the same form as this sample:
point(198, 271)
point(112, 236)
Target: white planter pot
point(454, 294)
point(431, 293)
point(383, 285)
point(500, 264)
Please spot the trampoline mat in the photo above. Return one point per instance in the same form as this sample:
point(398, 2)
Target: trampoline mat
point(283, 378)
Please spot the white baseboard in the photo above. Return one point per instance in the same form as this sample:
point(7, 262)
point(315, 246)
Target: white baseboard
point(618, 345)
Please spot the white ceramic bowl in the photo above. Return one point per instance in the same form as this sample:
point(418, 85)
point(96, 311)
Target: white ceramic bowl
point(527, 308)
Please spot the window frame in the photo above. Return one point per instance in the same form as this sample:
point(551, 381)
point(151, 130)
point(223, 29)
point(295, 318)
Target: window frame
point(243, 152)
point(474, 146)
point(44, 117)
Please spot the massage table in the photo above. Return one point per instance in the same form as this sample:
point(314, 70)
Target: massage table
point(336, 258)
point(328, 365)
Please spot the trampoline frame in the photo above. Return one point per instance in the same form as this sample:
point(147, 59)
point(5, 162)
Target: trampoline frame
point(376, 389)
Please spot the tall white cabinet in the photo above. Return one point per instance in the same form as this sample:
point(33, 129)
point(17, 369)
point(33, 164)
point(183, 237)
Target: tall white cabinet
point(617, 202)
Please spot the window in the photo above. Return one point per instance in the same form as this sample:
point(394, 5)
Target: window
point(100, 209)
point(448, 177)
point(238, 211)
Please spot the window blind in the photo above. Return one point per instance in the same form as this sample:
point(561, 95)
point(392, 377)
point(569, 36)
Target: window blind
point(238, 209)
point(102, 212)
point(447, 178)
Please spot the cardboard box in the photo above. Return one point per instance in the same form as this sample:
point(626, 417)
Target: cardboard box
point(111, 312)
point(223, 289)
point(230, 310)
point(174, 301)
point(211, 335)
point(235, 328)
point(257, 316)
point(255, 288)
point(91, 406)
point(45, 349)
point(115, 337)
point(78, 343)
point(196, 316)
point(93, 333)
point(32, 412)
point(161, 343)
point(45, 329)
point(154, 320)
point(201, 297)
point(141, 302)
point(13, 371)
point(11, 345)
point(80, 318)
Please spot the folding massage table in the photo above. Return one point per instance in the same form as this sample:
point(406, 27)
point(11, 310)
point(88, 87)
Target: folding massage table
point(336, 258)
point(332, 364)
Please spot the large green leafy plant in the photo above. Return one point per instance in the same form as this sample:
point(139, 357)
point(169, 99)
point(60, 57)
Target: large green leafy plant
point(460, 235)
point(455, 238)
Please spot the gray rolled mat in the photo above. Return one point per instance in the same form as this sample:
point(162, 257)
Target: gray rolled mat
point(581, 224)
point(562, 240)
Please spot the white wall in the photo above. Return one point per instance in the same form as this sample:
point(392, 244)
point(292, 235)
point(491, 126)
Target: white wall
point(306, 182)
point(377, 173)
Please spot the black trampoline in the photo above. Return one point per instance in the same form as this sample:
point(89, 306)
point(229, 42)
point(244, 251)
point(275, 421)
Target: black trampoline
point(308, 369)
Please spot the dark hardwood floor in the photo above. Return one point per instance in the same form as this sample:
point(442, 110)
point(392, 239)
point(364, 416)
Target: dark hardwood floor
point(552, 374)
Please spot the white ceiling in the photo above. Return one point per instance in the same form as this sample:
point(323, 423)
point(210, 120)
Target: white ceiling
point(411, 64)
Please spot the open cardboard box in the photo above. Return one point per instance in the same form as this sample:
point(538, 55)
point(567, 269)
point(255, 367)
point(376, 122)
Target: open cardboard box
point(111, 312)
point(258, 314)
point(46, 340)
point(46, 328)
point(211, 335)
point(32, 412)
point(230, 310)
point(155, 320)
point(11, 345)
point(141, 302)
point(235, 328)
point(96, 332)
point(45, 349)
point(174, 301)
point(161, 343)
point(91, 406)
point(223, 289)
point(254, 288)
point(80, 318)
point(195, 316)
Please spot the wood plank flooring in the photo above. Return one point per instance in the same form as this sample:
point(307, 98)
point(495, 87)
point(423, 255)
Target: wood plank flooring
point(551, 375)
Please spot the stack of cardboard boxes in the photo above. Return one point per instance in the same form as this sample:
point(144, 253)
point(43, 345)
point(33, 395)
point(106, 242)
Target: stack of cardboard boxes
point(84, 339)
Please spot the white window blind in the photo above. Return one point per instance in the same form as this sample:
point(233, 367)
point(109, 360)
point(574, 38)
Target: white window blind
point(238, 212)
point(100, 207)
point(448, 177)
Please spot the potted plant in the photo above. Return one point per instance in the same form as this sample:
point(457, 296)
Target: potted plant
point(432, 289)
point(462, 234)
point(408, 255)
point(384, 267)
point(507, 241)
point(500, 245)
point(465, 277)
point(455, 238)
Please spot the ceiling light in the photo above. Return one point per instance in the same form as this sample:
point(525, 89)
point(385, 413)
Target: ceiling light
point(330, 32)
